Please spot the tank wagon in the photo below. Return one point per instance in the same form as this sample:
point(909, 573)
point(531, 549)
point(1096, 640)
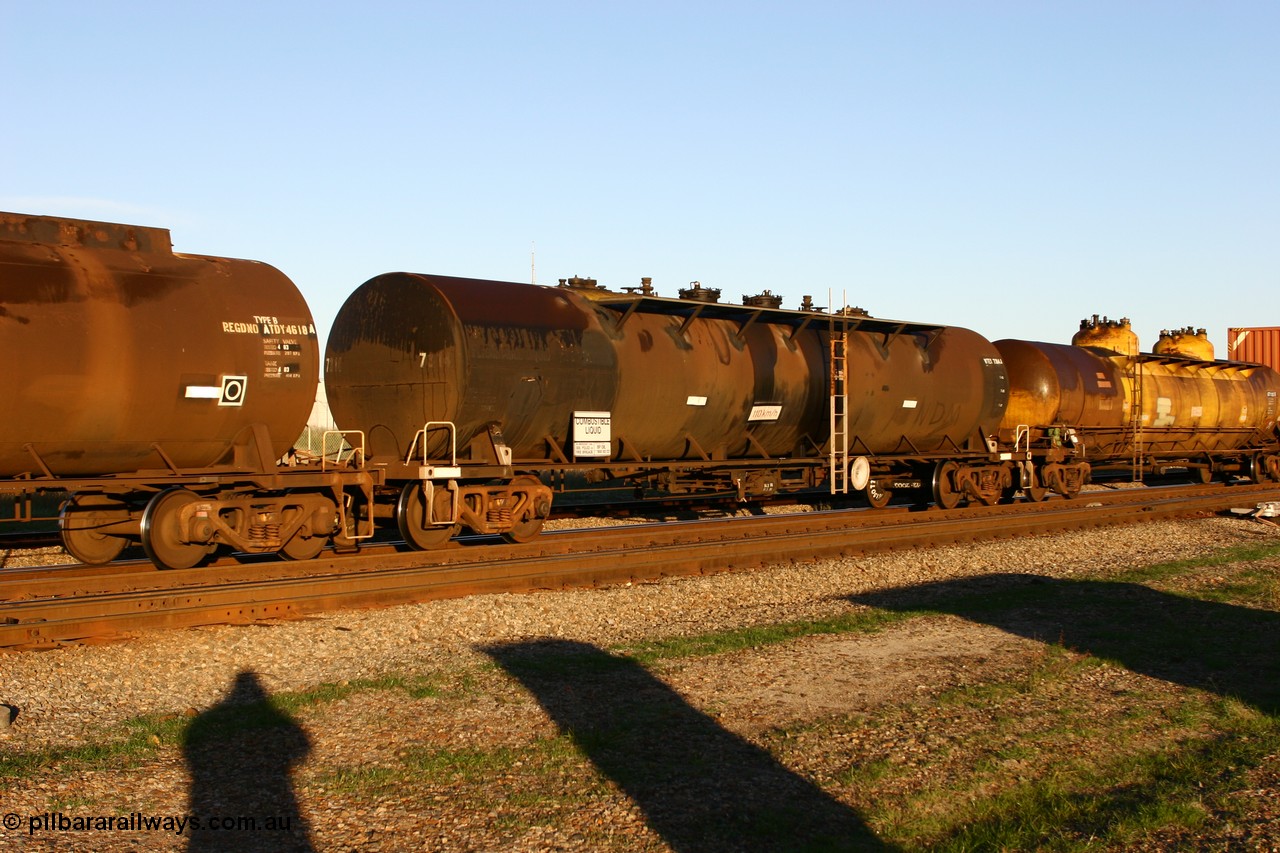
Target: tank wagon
point(481, 400)
point(159, 391)
point(1101, 404)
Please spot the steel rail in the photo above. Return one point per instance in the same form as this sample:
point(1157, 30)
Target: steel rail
point(18, 582)
point(569, 559)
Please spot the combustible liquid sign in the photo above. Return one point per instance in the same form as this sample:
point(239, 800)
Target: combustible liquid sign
point(592, 434)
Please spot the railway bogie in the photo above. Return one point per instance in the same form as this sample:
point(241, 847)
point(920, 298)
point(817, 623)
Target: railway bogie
point(955, 481)
point(95, 528)
point(181, 520)
point(428, 513)
point(1264, 467)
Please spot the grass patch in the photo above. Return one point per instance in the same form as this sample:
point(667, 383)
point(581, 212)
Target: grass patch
point(139, 738)
point(358, 781)
point(866, 774)
point(1120, 800)
point(757, 636)
point(543, 777)
point(1218, 559)
point(1150, 765)
point(1043, 767)
point(1253, 586)
point(124, 747)
point(463, 765)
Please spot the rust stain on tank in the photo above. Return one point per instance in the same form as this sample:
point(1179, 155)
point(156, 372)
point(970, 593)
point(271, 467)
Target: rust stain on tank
point(112, 327)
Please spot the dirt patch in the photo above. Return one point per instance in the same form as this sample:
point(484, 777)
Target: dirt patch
point(820, 676)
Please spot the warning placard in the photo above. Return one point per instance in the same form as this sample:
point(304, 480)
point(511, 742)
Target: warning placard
point(592, 434)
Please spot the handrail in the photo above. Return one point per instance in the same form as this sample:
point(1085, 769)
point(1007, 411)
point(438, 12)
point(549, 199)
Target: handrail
point(357, 449)
point(420, 438)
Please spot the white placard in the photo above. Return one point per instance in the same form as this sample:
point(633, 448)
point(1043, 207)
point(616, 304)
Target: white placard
point(592, 434)
point(233, 390)
point(696, 401)
point(765, 413)
point(203, 392)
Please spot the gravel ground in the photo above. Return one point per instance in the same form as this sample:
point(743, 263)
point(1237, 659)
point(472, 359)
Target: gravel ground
point(66, 697)
point(62, 695)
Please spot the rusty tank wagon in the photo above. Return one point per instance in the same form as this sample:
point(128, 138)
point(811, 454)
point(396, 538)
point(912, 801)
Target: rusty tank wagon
point(158, 390)
point(1101, 404)
point(478, 398)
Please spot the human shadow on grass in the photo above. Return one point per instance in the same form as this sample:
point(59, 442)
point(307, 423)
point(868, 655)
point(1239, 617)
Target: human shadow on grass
point(240, 753)
point(1227, 649)
point(701, 787)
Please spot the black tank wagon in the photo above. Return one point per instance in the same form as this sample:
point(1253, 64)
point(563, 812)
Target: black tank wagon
point(477, 397)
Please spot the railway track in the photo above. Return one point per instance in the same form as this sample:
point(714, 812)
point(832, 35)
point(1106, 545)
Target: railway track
point(40, 608)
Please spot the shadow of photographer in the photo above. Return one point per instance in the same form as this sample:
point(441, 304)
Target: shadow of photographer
point(701, 787)
point(240, 754)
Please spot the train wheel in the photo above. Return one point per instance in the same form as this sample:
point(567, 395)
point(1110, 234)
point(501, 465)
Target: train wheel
point(1258, 469)
point(530, 525)
point(411, 517)
point(302, 547)
point(1036, 493)
point(306, 547)
point(80, 520)
point(162, 532)
point(877, 496)
point(945, 493)
point(524, 531)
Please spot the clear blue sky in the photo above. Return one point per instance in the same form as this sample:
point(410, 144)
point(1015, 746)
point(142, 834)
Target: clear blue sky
point(1013, 167)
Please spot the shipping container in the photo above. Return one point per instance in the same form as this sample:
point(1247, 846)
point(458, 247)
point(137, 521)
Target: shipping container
point(1260, 345)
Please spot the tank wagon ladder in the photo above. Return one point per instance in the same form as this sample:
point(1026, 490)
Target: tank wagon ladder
point(839, 455)
point(1138, 456)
